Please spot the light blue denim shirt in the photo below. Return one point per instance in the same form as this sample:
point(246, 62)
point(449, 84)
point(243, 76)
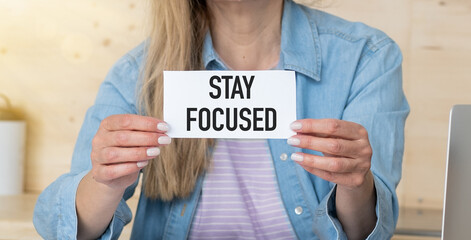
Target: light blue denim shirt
point(344, 70)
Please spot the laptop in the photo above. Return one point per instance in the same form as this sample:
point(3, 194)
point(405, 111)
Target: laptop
point(456, 221)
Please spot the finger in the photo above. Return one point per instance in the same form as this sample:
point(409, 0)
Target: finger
point(113, 155)
point(134, 122)
point(114, 171)
point(330, 128)
point(135, 139)
point(334, 146)
point(330, 164)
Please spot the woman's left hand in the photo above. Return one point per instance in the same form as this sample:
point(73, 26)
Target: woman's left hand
point(345, 146)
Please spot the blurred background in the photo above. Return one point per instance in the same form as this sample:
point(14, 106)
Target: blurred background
point(54, 55)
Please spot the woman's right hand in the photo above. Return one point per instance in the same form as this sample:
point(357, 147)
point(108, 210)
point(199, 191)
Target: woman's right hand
point(123, 145)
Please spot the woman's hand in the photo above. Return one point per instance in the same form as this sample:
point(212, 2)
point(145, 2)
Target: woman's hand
point(345, 145)
point(346, 162)
point(123, 145)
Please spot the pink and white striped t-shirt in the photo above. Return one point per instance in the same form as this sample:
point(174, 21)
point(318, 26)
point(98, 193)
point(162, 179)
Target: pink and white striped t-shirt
point(241, 198)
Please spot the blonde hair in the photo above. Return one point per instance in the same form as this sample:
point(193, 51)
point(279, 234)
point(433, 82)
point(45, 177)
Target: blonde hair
point(178, 29)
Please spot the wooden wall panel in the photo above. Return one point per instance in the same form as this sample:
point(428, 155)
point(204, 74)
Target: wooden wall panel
point(55, 54)
point(53, 57)
point(439, 63)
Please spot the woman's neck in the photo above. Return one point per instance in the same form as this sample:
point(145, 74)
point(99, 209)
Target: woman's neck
point(247, 34)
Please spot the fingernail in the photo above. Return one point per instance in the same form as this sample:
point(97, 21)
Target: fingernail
point(162, 127)
point(296, 125)
point(297, 157)
point(293, 141)
point(152, 152)
point(142, 164)
point(164, 140)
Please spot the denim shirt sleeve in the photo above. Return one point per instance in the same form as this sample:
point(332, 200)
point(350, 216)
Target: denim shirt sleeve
point(55, 213)
point(377, 102)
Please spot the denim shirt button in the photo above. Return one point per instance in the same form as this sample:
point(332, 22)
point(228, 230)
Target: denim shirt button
point(284, 156)
point(298, 210)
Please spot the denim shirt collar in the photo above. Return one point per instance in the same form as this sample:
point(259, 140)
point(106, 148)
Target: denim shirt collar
point(300, 49)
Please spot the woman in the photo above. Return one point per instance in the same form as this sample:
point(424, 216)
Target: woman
point(347, 152)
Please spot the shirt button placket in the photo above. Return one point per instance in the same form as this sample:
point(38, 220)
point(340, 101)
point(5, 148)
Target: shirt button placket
point(283, 156)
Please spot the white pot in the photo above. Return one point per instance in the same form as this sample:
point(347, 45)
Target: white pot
point(12, 151)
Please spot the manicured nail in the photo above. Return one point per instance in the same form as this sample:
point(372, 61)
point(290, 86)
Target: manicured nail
point(162, 127)
point(293, 141)
point(297, 157)
point(142, 164)
point(296, 125)
point(164, 140)
point(152, 152)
